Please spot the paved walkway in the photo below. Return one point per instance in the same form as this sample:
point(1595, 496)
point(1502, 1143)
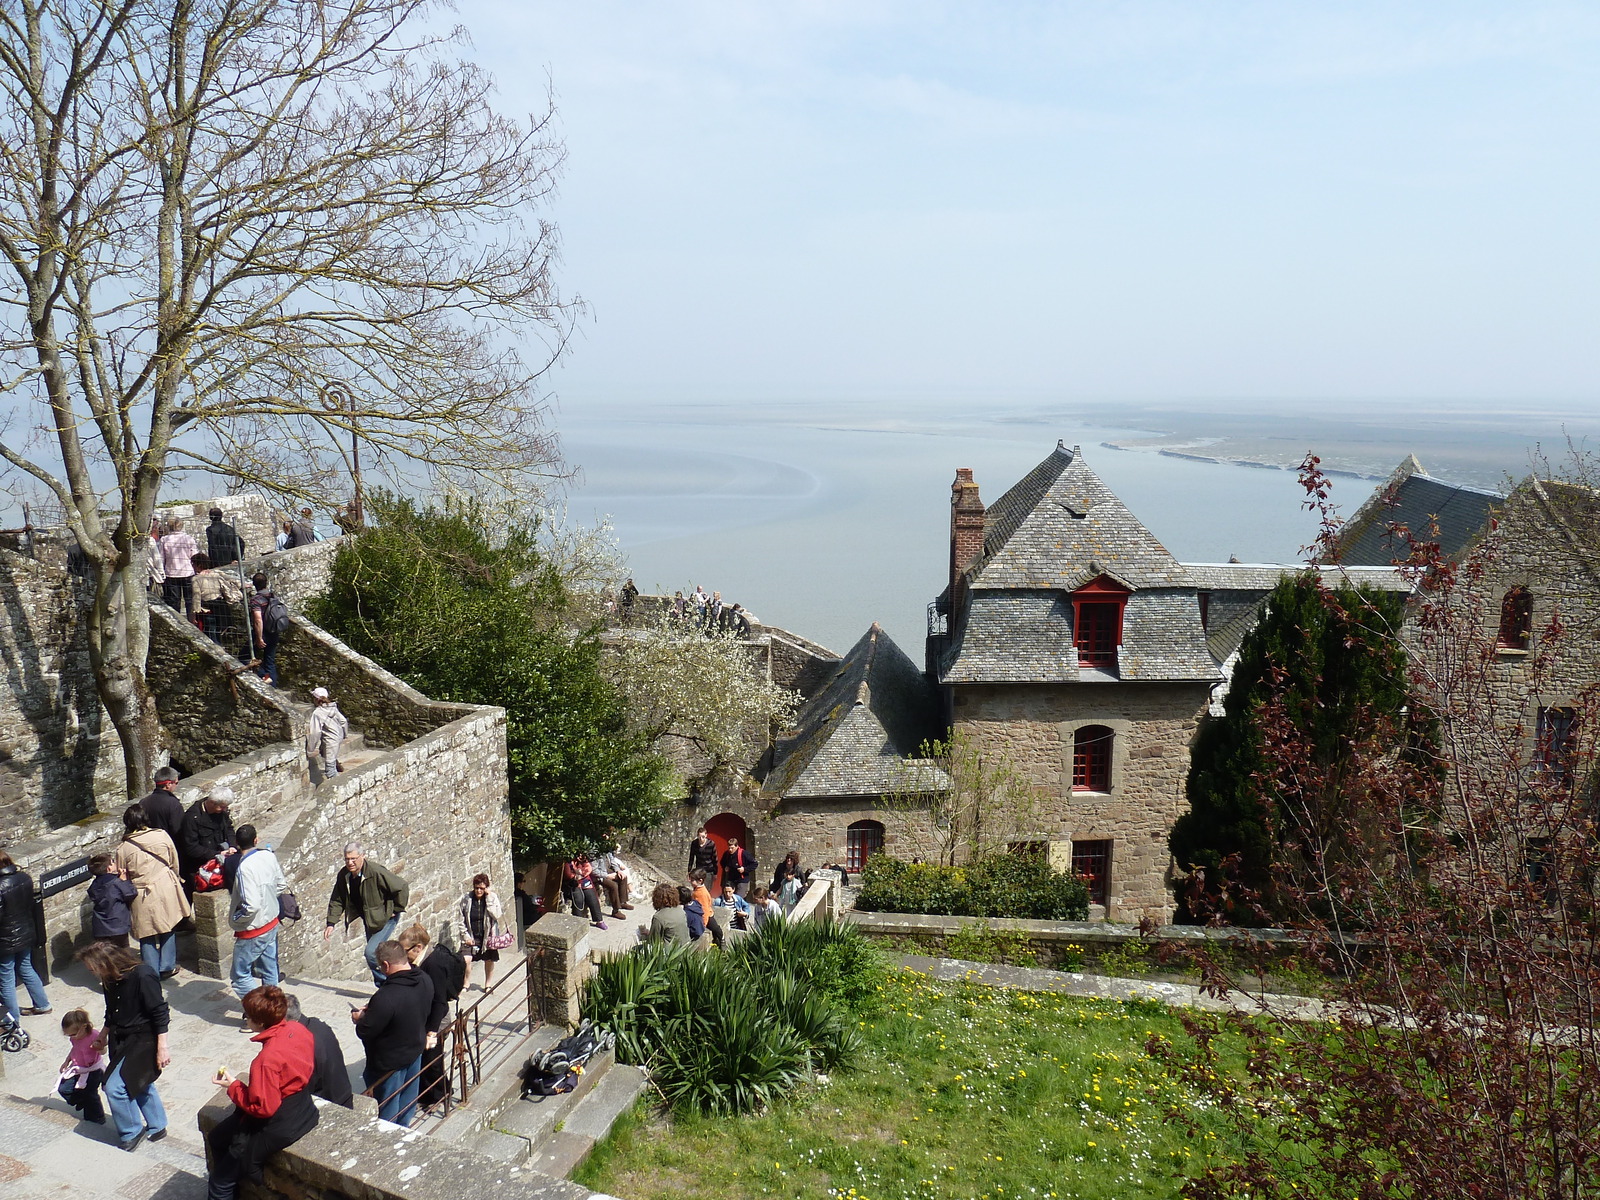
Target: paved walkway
point(46, 1151)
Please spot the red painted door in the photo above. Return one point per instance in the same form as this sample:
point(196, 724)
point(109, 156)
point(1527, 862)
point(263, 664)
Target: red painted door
point(719, 829)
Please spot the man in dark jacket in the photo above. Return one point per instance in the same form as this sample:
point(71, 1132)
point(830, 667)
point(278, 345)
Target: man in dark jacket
point(224, 546)
point(703, 853)
point(738, 867)
point(331, 1078)
point(206, 833)
point(17, 937)
point(365, 890)
point(161, 807)
point(394, 1028)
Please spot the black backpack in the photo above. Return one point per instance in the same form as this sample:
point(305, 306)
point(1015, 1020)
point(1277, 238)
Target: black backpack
point(276, 618)
point(458, 974)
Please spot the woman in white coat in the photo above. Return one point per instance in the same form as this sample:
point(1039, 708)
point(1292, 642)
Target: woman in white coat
point(479, 926)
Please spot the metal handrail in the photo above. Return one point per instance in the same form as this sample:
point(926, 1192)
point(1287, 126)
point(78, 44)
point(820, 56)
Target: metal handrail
point(503, 1012)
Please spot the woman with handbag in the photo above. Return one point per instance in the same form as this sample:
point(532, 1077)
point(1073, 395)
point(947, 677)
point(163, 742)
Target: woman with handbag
point(149, 861)
point(481, 929)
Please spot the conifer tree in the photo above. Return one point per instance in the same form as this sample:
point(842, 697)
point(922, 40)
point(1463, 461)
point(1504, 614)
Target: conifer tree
point(1332, 667)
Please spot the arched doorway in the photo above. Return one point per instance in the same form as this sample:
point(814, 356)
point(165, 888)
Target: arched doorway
point(719, 829)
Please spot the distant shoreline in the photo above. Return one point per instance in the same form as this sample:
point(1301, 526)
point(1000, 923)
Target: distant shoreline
point(1229, 461)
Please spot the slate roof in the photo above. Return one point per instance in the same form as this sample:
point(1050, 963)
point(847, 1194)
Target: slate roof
point(860, 734)
point(1060, 526)
point(1263, 577)
point(1414, 499)
point(1013, 636)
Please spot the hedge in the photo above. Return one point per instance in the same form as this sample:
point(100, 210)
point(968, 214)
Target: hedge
point(998, 885)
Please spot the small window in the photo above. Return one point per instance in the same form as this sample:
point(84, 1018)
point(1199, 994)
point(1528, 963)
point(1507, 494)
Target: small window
point(1516, 619)
point(863, 840)
point(1091, 759)
point(1555, 745)
point(1538, 863)
point(1092, 860)
point(1097, 622)
point(1205, 609)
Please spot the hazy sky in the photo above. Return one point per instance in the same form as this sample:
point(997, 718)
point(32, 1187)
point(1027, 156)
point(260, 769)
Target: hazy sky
point(1073, 199)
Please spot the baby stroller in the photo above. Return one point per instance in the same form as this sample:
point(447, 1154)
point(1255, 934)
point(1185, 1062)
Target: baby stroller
point(13, 1037)
point(558, 1069)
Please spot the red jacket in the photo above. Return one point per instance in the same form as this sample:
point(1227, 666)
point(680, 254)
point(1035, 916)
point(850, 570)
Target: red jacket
point(284, 1067)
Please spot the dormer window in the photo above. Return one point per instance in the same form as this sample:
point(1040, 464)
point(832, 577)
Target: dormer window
point(1097, 621)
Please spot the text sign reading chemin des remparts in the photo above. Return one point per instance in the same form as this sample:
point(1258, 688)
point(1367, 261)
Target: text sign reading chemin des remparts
point(59, 879)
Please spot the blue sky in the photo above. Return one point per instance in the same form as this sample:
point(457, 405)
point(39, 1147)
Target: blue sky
point(1074, 200)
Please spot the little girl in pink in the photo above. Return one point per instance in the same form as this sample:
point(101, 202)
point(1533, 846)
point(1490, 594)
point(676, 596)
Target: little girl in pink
point(84, 1068)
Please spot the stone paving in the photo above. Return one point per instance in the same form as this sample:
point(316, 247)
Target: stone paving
point(46, 1151)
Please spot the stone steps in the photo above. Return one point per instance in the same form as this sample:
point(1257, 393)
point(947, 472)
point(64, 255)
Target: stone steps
point(554, 1134)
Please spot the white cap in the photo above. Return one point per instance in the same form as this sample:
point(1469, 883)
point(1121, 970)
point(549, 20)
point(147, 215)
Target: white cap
point(319, 693)
point(221, 795)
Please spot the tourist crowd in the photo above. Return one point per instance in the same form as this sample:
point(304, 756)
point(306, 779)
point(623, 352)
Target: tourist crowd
point(705, 613)
point(142, 891)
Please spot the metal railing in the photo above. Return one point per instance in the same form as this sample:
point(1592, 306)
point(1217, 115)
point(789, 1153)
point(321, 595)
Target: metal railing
point(481, 1036)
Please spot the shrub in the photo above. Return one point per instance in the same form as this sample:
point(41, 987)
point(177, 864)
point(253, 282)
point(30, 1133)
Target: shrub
point(997, 885)
point(736, 1031)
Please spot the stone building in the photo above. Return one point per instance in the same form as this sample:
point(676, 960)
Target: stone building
point(1072, 645)
point(1516, 667)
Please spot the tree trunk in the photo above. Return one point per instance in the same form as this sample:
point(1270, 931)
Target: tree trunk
point(119, 641)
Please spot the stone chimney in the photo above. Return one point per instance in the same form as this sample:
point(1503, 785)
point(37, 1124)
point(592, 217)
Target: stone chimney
point(966, 536)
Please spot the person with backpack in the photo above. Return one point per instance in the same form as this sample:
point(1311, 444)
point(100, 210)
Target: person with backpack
point(269, 620)
point(738, 867)
point(448, 972)
point(325, 733)
point(257, 884)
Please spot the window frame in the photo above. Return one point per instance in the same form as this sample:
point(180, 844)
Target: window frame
point(1103, 853)
point(870, 834)
point(1086, 771)
point(1555, 744)
point(1516, 619)
point(1101, 591)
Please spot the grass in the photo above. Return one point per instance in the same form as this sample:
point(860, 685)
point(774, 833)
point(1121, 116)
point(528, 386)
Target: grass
point(967, 1092)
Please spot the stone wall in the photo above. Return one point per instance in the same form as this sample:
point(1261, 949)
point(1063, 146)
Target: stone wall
point(435, 810)
point(1032, 729)
point(212, 708)
point(300, 574)
point(251, 516)
point(388, 710)
point(57, 746)
point(796, 663)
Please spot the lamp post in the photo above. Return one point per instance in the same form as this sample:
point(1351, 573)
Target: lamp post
point(336, 396)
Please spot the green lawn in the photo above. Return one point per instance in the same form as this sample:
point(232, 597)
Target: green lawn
point(965, 1091)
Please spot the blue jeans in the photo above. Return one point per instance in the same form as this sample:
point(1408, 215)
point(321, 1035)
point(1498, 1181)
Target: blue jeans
point(131, 1114)
point(373, 942)
point(252, 956)
point(12, 965)
point(160, 952)
point(396, 1092)
point(269, 658)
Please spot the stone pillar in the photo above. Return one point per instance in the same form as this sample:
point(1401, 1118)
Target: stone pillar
point(558, 947)
point(213, 935)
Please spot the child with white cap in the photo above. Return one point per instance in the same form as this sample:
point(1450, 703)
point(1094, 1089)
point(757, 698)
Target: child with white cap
point(325, 733)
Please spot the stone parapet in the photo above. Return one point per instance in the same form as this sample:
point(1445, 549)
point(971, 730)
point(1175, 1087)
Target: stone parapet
point(561, 947)
point(355, 1156)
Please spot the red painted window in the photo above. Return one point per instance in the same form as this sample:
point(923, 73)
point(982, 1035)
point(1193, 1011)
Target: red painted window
point(864, 839)
point(1097, 621)
point(1516, 619)
point(1091, 759)
point(1092, 860)
point(1556, 745)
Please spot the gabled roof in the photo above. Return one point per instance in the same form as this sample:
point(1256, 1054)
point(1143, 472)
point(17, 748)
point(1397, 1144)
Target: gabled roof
point(860, 735)
point(1416, 500)
point(1060, 526)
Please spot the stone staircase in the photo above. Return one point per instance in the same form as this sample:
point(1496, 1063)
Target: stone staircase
point(548, 1134)
point(353, 752)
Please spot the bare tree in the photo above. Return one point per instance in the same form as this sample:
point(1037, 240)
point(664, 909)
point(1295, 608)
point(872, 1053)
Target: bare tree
point(237, 232)
point(975, 801)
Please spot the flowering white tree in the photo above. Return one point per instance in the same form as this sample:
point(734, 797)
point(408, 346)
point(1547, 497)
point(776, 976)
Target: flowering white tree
point(705, 701)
